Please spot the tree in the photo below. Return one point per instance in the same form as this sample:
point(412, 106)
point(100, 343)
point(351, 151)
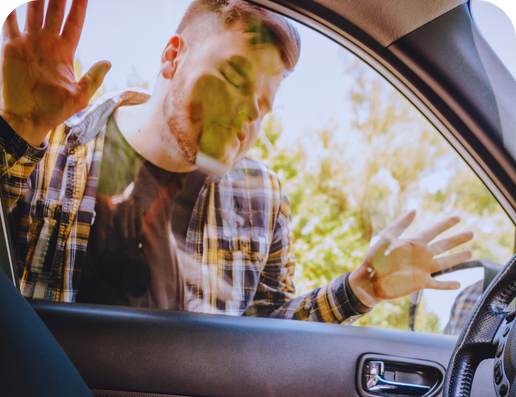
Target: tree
point(342, 195)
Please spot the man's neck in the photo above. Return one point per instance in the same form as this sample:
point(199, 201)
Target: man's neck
point(143, 127)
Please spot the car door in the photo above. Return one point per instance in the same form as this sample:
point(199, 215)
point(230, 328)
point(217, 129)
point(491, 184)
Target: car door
point(438, 62)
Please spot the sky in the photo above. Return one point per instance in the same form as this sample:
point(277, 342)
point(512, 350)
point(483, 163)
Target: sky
point(495, 25)
point(134, 40)
point(131, 34)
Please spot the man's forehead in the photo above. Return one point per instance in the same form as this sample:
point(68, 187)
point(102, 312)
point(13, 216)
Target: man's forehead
point(234, 45)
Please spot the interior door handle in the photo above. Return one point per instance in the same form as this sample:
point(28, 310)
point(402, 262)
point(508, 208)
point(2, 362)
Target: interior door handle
point(375, 382)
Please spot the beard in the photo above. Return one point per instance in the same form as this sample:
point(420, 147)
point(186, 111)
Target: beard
point(199, 145)
point(186, 145)
point(200, 125)
point(185, 132)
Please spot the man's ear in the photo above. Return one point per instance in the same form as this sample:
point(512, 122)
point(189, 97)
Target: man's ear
point(170, 56)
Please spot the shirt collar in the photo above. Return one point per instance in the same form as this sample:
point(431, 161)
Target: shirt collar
point(86, 124)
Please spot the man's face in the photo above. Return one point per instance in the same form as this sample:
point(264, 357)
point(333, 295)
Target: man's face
point(220, 93)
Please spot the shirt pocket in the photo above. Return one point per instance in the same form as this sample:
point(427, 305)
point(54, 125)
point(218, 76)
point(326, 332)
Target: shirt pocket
point(42, 236)
point(240, 265)
point(252, 250)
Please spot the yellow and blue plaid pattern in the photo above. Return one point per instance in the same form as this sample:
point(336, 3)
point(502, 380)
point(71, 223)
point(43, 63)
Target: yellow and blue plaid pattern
point(238, 245)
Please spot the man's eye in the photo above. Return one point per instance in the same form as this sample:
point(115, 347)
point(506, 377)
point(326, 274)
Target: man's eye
point(232, 81)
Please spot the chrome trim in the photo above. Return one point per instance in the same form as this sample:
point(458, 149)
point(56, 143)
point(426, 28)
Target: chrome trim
point(406, 89)
point(375, 382)
point(6, 242)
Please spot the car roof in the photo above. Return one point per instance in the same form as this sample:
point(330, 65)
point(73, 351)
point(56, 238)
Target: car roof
point(388, 20)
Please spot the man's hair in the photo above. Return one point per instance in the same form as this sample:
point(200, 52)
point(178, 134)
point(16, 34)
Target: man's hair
point(263, 26)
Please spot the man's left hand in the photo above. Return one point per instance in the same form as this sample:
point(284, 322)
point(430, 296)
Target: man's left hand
point(396, 267)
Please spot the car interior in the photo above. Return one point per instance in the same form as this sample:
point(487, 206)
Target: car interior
point(434, 59)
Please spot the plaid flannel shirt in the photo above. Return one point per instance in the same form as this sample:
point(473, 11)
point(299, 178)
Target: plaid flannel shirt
point(463, 307)
point(239, 239)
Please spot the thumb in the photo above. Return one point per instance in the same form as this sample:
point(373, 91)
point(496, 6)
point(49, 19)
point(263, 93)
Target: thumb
point(92, 80)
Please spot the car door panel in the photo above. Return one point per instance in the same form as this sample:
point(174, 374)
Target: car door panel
point(155, 351)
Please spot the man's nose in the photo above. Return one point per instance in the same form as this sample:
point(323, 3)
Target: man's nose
point(249, 109)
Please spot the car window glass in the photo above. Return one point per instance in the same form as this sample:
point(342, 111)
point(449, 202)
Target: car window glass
point(498, 30)
point(347, 149)
point(452, 308)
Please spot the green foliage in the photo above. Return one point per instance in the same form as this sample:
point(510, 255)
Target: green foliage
point(390, 314)
point(346, 184)
point(394, 315)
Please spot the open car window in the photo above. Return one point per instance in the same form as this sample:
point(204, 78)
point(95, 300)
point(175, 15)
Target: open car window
point(339, 155)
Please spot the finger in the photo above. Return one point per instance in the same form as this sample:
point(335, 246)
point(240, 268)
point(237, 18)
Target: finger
point(55, 15)
point(11, 30)
point(73, 26)
point(445, 262)
point(91, 81)
point(436, 229)
point(442, 285)
point(396, 228)
point(394, 245)
point(380, 248)
point(35, 11)
point(448, 243)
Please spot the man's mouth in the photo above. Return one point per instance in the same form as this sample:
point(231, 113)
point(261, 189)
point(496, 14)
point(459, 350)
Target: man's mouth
point(238, 133)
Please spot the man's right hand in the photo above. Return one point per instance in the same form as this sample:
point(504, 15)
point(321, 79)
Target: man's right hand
point(37, 80)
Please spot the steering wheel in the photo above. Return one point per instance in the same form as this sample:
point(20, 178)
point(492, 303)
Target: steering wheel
point(488, 333)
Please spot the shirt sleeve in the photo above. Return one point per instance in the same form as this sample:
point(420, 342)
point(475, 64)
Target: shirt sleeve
point(275, 295)
point(18, 160)
point(463, 307)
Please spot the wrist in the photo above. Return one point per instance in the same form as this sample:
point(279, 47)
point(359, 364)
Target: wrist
point(361, 284)
point(34, 136)
point(357, 305)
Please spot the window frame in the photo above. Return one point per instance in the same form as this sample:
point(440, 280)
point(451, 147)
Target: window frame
point(403, 80)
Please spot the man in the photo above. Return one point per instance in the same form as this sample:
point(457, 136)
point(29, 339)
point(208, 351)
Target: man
point(229, 251)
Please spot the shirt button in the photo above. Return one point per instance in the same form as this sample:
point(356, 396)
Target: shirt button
point(244, 243)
